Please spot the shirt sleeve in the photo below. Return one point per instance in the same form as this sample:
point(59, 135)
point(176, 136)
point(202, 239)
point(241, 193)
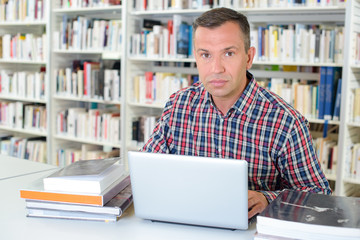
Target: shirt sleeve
point(159, 139)
point(298, 164)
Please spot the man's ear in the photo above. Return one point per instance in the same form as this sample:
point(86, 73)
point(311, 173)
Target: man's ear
point(251, 53)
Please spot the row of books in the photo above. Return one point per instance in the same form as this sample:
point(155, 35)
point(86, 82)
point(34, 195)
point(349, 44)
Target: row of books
point(23, 84)
point(22, 115)
point(83, 33)
point(314, 100)
point(68, 153)
point(352, 168)
point(95, 124)
point(172, 39)
point(27, 47)
point(22, 10)
point(156, 88)
point(327, 152)
point(292, 43)
point(33, 149)
point(142, 128)
point(141, 5)
point(299, 43)
point(356, 105)
point(88, 80)
point(97, 190)
point(88, 3)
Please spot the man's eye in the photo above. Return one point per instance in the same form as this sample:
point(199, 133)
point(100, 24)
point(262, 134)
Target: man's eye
point(229, 54)
point(205, 55)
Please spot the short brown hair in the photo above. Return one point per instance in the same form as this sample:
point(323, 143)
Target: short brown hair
point(218, 16)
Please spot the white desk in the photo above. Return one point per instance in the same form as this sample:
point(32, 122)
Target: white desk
point(13, 167)
point(15, 225)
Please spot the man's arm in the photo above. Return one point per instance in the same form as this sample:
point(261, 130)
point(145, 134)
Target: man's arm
point(158, 141)
point(298, 164)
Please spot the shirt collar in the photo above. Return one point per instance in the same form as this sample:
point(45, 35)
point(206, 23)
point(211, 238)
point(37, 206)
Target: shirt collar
point(246, 99)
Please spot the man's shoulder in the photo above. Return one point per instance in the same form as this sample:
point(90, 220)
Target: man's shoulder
point(276, 103)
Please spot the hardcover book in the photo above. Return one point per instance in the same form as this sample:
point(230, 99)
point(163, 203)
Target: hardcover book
point(85, 176)
point(111, 211)
point(36, 192)
point(304, 215)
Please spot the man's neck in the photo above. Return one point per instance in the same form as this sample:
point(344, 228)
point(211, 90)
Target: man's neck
point(223, 105)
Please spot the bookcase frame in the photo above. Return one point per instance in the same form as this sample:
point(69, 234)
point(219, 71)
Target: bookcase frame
point(60, 58)
point(36, 27)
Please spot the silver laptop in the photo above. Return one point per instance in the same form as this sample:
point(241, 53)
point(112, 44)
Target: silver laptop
point(190, 190)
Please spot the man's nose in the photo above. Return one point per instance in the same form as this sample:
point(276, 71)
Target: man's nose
point(218, 65)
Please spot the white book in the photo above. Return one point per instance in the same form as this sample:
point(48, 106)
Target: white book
point(116, 85)
point(85, 176)
point(312, 42)
point(68, 81)
point(6, 40)
point(37, 85)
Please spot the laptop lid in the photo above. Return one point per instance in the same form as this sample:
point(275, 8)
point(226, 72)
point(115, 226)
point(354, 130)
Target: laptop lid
point(190, 190)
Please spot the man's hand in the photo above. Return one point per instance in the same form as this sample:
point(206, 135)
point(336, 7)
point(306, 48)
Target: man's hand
point(256, 203)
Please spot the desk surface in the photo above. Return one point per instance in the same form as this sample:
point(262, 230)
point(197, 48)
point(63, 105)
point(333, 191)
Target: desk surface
point(15, 225)
point(13, 167)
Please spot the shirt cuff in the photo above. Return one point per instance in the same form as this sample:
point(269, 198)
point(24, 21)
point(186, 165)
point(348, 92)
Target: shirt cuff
point(271, 195)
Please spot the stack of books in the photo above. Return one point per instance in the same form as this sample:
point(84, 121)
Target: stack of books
point(97, 190)
point(304, 215)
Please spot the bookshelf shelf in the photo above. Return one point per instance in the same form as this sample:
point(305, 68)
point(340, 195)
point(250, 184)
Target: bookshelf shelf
point(109, 55)
point(270, 10)
point(146, 105)
point(14, 98)
point(352, 180)
point(79, 99)
point(156, 59)
point(33, 132)
point(83, 140)
point(19, 61)
point(354, 124)
point(192, 60)
point(298, 64)
point(22, 23)
point(90, 10)
point(322, 121)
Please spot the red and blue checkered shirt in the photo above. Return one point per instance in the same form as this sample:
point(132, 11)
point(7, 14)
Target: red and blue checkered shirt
point(260, 128)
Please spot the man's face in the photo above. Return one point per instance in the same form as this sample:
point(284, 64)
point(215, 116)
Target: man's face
point(222, 61)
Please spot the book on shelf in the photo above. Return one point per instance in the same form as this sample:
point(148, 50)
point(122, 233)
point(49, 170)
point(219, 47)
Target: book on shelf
point(333, 74)
point(356, 105)
point(35, 191)
point(22, 10)
point(355, 161)
point(85, 176)
point(304, 215)
point(111, 211)
point(298, 42)
point(337, 103)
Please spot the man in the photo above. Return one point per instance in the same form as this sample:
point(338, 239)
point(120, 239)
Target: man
point(228, 115)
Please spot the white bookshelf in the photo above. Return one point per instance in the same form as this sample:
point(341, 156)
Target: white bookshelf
point(349, 131)
point(36, 25)
point(62, 58)
point(339, 15)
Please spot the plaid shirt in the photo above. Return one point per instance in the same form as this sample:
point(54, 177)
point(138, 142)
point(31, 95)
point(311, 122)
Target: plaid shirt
point(260, 128)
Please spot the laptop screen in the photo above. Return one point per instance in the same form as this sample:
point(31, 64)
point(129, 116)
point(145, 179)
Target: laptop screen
point(190, 190)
